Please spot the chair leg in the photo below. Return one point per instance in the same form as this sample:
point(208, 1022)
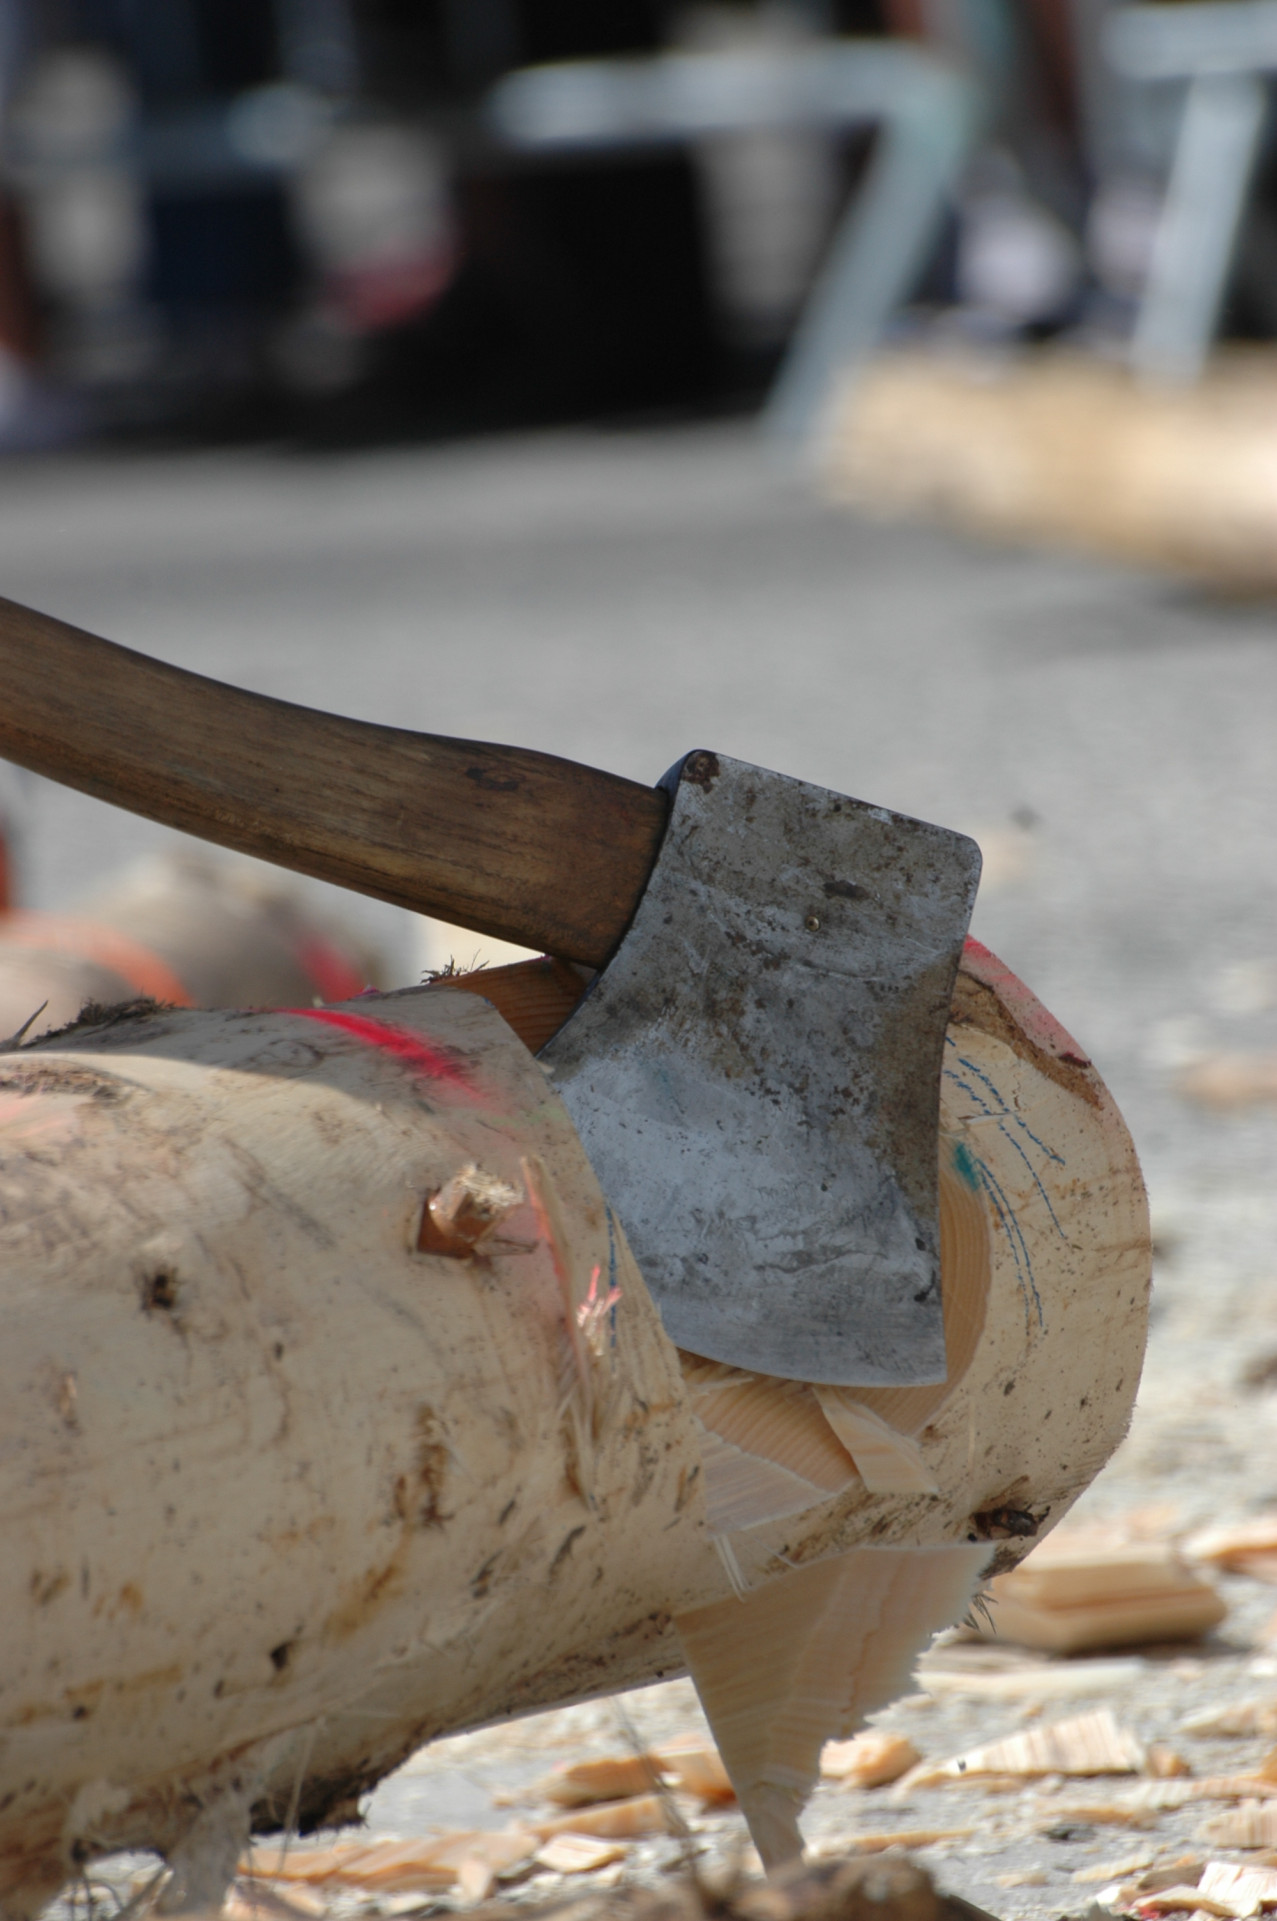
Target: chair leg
point(1210, 177)
point(928, 118)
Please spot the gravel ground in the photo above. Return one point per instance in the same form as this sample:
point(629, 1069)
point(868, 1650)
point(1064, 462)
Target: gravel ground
point(620, 598)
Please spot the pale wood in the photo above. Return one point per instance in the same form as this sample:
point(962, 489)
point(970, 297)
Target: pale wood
point(283, 1497)
point(518, 844)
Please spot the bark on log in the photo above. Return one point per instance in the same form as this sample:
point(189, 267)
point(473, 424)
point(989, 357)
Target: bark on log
point(284, 1496)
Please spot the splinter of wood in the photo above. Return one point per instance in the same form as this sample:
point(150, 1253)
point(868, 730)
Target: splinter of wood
point(463, 1212)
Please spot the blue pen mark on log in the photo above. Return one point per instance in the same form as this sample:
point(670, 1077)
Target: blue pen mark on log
point(1002, 1114)
point(1002, 1107)
point(1016, 1241)
point(965, 1165)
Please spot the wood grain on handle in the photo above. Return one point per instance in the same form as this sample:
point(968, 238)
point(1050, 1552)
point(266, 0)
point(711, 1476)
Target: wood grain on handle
point(500, 839)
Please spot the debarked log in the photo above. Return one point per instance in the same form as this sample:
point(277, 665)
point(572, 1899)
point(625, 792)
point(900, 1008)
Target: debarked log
point(337, 1417)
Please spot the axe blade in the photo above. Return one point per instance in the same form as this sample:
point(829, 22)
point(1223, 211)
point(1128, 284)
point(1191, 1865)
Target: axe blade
point(755, 1075)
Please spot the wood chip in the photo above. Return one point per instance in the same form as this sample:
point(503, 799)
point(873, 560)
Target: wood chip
point(1230, 1080)
point(430, 1863)
point(579, 1784)
point(1096, 1597)
point(887, 1461)
point(1248, 1889)
point(1088, 1744)
point(870, 1759)
point(1094, 1814)
point(697, 1767)
point(903, 1838)
point(1239, 1718)
point(1246, 1827)
point(630, 1820)
point(1207, 1787)
point(1125, 1896)
point(1182, 1900)
point(1032, 1681)
point(1165, 1763)
point(579, 1854)
point(1114, 1870)
point(1071, 1571)
point(1232, 1546)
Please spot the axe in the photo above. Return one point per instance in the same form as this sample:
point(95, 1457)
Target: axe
point(755, 1070)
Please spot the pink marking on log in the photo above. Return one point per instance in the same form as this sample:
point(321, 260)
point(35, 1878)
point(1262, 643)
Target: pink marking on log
point(399, 1041)
point(1022, 1004)
point(333, 976)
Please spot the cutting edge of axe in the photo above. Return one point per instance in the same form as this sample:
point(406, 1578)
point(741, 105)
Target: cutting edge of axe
point(755, 1075)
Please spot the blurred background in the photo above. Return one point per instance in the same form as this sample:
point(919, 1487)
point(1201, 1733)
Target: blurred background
point(338, 219)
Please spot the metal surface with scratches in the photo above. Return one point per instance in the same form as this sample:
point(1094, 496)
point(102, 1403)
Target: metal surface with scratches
point(755, 1075)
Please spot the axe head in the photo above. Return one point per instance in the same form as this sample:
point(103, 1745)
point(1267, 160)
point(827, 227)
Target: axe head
point(755, 1075)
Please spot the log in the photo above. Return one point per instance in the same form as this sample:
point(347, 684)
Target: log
point(302, 1468)
point(186, 929)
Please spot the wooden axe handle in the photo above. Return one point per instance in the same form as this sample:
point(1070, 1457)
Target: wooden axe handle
point(509, 842)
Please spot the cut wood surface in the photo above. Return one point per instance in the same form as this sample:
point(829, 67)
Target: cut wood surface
point(508, 841)
point(284, 1496)
point(1067, 449)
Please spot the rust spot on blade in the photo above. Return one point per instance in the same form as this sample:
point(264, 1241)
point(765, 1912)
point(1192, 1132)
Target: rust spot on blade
point(701, 769)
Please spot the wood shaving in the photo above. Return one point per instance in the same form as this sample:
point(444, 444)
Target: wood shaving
point(697, 1767)
point(1069, 1572)
point(1210, 1787)
point(1230, 1080)
point(1164, 1763)
point(1169, 1614)
point(1242, 1717)
point(1232, 1546)
point(630, 1820)
point(869, 1760)
point(1095, 1814)
point(1248, 1889)
point(887, 1461)
point(1088, 1744)
point(904, 1838)
point(1183, 1900)
point(430, 1863)
point(1247, 1827)
point(610, 1777)
point(579, 1854)
point(1114, 1870)
point(1039, 1679)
